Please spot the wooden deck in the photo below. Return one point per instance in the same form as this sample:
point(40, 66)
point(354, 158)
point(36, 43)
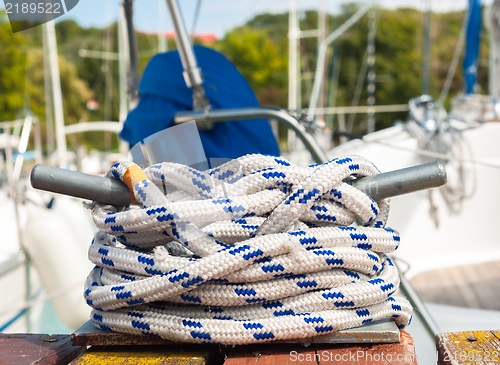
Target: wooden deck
point(29, 349)
point(472, 286)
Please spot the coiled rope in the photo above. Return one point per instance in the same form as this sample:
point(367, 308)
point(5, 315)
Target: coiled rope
point(254, 250)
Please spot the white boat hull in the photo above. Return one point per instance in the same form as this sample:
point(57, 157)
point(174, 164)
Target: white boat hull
point(453, 238)
point(50, 263)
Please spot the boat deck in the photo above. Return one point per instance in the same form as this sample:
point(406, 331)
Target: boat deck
point(472, 286)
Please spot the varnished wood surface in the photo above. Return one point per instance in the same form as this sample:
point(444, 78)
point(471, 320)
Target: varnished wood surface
point(472, 286)
point(28, 349)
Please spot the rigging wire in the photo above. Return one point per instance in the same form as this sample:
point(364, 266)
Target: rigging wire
point(357, 91)
point(438, 155)
point(454, 61)
point(370, 87)
point(107, 67)
point(195, 20)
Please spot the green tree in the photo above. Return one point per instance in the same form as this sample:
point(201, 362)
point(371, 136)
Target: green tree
point(398, 66)
point(22, 78)
point(12, 71)
point(75, 91)
point(72, 39)
point(260, 60)
point(398, 60)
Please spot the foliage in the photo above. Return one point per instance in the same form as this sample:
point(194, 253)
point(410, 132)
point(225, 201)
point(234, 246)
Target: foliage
point(398, 65)
point(12, 70)
point(259, 49)
point(398, 59)
point(251, 49)
point(75, 91)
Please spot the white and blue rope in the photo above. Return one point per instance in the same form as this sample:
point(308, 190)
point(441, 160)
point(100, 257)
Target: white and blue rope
point(254, 250)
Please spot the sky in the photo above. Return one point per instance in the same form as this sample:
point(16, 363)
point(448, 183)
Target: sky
point(219, 16)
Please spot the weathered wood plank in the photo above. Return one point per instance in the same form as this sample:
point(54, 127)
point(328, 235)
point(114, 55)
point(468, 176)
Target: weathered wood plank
point(267, 355)
point(402, 353)
point(21, 349)
point(470, 347)
point(26, 349)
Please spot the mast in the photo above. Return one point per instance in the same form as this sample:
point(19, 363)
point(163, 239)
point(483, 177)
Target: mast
point(123, 51)
point(293, 62)
point(162, 37)
point(192, 73)
point(133, 62)
point(370, 63)
point(454, 62)
point(49, 37)
point(493, 24)
point(320, 65)
point(321, 37)
point(294, 81)
point(426, 59)
point(49, 113)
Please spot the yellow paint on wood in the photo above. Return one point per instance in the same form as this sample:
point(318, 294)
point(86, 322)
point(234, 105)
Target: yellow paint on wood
point(139, 356)
point(470, 347)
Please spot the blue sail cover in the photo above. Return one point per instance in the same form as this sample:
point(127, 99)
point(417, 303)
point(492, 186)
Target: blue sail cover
point(163, 92)
point(473, 39)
